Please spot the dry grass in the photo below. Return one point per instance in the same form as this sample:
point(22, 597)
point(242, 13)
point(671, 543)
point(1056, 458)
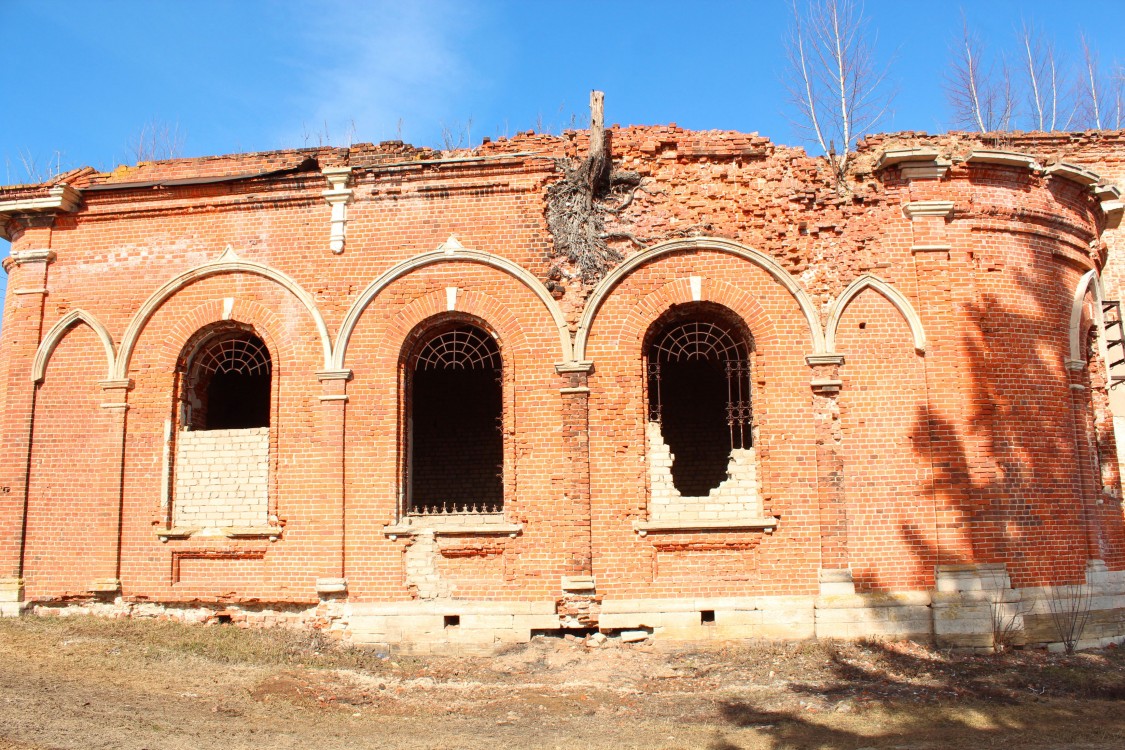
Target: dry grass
point(86, 682)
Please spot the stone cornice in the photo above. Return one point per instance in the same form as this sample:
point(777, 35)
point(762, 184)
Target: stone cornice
point(22, 257)
point(60, 198)
point(1074, 173)
point(918, 163)
point(943, 209)
point(1003, 158)
point(818, 360)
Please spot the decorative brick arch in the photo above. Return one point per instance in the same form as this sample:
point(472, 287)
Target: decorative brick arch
point(471, 303)
point(900, 303)
point(657, 302)
point(1087, 284)
point(756, 257)
point(248, 312)
point(449, 252)
point(55, 336)
point(228, 262)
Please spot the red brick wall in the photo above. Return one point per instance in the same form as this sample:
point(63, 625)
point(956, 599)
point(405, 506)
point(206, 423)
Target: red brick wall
point(977, 450)
point(888, 483)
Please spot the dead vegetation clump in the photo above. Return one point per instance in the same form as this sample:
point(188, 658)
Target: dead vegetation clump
point(577, 208)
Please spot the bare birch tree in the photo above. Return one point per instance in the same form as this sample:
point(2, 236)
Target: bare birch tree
point(1099, 100)
point(1041, 76)
point(834, 79)
point(981, 96)
point(1091, 84)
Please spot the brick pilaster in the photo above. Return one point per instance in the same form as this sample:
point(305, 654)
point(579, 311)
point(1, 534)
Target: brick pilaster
point(331, 529)
point(576, 446)
point(829, 462)
point(23, 326)
point(106, 517)
point(1087, 476)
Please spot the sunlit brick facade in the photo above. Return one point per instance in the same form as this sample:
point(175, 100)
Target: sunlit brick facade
point(360, 389)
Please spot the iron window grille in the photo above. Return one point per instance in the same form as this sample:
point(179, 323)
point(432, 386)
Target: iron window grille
point(703, 340)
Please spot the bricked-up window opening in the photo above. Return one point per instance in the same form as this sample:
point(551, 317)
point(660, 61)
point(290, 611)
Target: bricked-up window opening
point(230, 383)
point(699, 395)
point(456, 446)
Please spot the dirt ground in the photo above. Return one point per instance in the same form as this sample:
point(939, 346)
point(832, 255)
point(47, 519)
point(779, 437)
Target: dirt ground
point(89, 683)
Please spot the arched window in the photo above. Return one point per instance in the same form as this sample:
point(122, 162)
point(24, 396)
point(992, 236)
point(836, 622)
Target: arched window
point(228, 382)
point(455, 446)
point(222, 450)
point(699, 394)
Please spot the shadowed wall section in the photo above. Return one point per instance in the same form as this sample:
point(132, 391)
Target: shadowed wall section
point(886, 477)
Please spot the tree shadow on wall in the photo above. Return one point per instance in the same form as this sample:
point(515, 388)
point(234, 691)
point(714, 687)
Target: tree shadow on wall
point(1005, 460)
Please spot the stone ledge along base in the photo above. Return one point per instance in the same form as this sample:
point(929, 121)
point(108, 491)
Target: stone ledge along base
point(959, 614)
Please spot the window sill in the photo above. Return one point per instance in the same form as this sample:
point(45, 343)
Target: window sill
point(273, 533)
point(643, 528)
point(420, 527)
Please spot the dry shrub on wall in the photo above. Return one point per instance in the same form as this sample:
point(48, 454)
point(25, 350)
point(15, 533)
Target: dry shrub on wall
point(577, 208)
point(1070, 611)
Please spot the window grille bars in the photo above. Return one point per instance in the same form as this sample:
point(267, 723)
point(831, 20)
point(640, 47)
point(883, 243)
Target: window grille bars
point(245, 354)
point(461, 348)
point(702, 340)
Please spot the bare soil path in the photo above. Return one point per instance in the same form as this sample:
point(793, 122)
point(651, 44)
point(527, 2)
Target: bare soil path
point(90, 683)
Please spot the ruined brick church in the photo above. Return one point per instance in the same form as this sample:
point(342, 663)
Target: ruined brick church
point(694, 387)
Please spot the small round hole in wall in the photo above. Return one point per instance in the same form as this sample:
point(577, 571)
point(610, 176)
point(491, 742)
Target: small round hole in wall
point(862, 326)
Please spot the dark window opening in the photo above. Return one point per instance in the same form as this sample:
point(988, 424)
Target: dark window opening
point(699, 393)
point(455, 440)
point(229, 383)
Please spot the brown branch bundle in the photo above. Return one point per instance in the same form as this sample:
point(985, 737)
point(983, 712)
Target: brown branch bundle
point(1070, 611)
point(577, 206)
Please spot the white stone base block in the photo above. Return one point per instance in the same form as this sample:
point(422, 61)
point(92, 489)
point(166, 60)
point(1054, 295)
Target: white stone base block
point(448, 624)
point(708, 619)
point(11, 597)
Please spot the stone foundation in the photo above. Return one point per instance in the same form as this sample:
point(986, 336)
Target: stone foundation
point(959, 614)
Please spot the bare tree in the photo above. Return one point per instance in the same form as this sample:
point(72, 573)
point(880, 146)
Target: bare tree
point(981, 96)
point(1092, 87)
point(456, 136)
point(1100, 101)
point(1041, 74)
point(156, 140)
point(834, 81)
point(32, 169)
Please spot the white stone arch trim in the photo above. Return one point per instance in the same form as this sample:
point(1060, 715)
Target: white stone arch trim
point(55, 336)
point(756, 257)
point(1089, 282)
point(892, 295)
point(440, 255)
point(228, 262)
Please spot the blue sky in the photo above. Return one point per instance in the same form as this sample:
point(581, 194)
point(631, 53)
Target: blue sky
point(83, 78)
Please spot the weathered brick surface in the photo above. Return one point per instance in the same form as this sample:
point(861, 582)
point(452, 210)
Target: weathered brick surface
point(989, 446)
